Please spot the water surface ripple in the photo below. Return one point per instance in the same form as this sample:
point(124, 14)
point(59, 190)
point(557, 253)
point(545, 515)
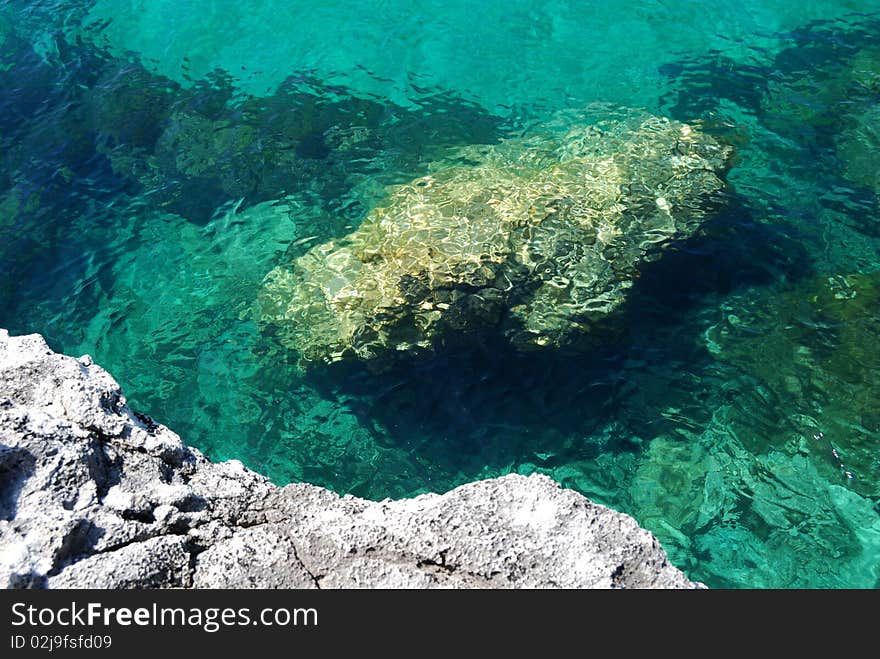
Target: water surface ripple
point(158, 158)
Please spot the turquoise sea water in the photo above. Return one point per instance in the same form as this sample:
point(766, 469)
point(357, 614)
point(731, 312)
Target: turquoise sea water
point(158, 158)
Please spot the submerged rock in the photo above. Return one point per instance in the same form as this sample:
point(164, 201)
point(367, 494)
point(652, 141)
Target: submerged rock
point(836, 110)
point(813, 348)
point(93, 494)
point(536, 238)
point(859, 149)
point(769, 518)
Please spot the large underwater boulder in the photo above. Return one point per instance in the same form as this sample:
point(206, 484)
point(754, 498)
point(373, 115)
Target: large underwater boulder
point(537, 238)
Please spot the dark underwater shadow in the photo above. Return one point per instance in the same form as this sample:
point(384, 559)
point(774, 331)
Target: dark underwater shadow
point(699, 83)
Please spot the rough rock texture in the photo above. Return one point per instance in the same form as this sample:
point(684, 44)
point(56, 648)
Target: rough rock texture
point(538, 238)
point(859, 145)
point(93, 494)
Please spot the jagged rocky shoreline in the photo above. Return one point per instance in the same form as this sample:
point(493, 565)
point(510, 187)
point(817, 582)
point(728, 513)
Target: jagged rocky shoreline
point(93, 494)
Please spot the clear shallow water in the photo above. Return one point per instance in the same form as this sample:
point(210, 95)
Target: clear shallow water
point(156, 163)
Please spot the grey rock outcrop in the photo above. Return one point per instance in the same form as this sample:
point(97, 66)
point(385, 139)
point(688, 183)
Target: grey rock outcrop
point(93, 494)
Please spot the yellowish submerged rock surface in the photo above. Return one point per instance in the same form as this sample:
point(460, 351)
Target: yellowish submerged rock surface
point(536, 238)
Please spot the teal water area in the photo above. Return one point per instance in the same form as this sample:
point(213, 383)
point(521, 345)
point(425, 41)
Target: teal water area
point(158, 158)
